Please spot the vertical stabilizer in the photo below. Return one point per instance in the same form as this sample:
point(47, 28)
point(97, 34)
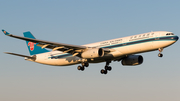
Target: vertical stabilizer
point(32, 47)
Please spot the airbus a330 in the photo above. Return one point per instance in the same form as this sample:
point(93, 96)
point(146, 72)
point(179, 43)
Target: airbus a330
point(120, 49)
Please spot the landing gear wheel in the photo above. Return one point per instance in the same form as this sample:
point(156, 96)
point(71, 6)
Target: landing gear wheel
point(86, 64)
point(81, 68)
point(160, 55)
point(108, 68)
point(103, 71)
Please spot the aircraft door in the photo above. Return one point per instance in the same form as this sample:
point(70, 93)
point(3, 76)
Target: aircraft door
point(156, 36)
point(156, 43)
point(125, 47)
point(47, 56)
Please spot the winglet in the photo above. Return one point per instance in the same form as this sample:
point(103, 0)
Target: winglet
point(6, 33)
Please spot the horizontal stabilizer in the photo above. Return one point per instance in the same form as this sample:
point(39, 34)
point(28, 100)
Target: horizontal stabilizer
point(29, 57)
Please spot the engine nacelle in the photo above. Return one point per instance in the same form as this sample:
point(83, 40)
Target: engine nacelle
point(132, 60)
point(93, 53)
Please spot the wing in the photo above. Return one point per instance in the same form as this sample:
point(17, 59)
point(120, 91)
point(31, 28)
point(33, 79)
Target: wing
point(66, 48)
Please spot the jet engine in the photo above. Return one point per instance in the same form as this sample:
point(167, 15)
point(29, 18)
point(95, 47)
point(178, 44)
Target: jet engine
point(93, 53)
point(132, 60)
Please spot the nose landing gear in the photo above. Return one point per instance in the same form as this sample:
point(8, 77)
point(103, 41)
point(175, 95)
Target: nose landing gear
point(160, 54)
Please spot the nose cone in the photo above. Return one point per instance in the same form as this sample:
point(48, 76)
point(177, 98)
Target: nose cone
point(176, 38)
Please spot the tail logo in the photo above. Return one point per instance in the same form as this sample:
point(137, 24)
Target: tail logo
point(31, 45)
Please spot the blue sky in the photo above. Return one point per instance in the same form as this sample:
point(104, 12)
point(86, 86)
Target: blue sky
point(81, 22)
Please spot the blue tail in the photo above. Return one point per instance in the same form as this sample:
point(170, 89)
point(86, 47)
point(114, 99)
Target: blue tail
point(32, 47)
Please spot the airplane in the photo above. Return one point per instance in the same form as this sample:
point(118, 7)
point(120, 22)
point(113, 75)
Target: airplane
point(120, 49)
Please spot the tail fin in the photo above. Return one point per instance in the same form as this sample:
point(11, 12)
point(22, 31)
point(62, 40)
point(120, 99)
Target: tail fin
point(33, 48)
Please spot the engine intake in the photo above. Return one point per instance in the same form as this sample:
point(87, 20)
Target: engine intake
point(93, 53)
point(132, 60)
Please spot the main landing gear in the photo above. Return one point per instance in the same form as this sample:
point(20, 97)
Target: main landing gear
point(84, 64)
point(160, 54)
point(106, 68)
point(103, 71)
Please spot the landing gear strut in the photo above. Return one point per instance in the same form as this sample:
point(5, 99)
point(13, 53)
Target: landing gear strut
point(106, 68)
point(84, 64)
point(160, 54)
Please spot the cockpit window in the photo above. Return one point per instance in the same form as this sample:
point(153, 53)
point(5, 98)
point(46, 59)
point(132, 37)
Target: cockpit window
point(169, 34)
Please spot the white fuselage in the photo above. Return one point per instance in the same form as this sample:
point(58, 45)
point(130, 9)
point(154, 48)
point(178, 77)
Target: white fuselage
point(120, 47)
